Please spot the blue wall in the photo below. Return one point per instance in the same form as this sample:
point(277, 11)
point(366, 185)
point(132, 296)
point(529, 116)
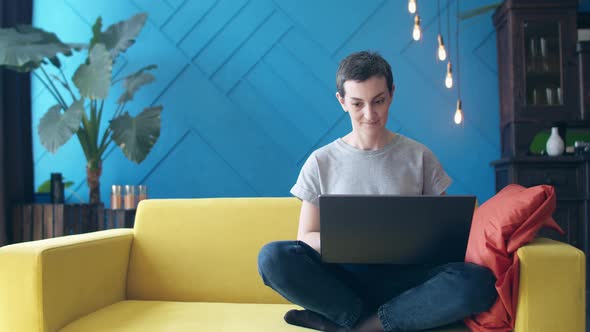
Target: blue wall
point(248, 90)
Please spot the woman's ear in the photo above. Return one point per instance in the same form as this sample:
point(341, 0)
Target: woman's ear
point(341, 101)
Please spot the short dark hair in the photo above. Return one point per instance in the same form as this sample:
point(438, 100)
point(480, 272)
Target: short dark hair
point(360, 66)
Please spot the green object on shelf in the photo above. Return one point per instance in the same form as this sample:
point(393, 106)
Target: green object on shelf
point(45, 187)
point(540, 140)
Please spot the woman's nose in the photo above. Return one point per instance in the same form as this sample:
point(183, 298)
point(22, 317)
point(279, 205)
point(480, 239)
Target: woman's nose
point(369, 113)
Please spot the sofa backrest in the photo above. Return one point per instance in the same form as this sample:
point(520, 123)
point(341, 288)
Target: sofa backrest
point(206, 250)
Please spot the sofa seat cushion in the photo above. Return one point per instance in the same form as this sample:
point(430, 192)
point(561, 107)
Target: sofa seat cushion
point(160, 316)
point(148, 316)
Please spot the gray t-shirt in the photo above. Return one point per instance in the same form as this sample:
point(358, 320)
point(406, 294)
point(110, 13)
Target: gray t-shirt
point(402, 167)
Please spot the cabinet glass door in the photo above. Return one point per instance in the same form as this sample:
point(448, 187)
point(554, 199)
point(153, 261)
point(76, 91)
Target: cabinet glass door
point(542, 64)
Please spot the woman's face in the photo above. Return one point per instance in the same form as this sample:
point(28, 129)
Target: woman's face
point(367, 103)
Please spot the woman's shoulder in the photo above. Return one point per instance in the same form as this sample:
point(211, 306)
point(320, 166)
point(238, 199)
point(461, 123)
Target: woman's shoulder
point(410, 144)
point(323, 154)
point(327, 149)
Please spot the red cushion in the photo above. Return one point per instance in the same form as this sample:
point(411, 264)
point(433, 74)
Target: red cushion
point(500, 226)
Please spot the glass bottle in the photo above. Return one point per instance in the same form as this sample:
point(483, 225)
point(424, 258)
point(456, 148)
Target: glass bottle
point(141, 193)
point(129, 197)
point(116, 198)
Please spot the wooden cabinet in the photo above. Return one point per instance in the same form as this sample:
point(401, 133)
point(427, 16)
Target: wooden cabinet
point(537, 69)
point(539, 76)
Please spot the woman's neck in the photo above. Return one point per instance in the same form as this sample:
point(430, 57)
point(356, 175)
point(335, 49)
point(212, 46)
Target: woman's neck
point(368, 143)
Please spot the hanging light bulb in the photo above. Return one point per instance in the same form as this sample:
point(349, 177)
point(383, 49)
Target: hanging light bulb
point(412, 6)
point(417, 33)
point(458, 113)
point(442, 53)
point(449, 78)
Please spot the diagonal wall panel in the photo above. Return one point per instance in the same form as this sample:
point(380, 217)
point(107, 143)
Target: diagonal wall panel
point(329, 23)
point(280, 130)
point(248, 90)
point(311, 55)
point(281, 96)
point(251, 52)
point(233, 36)
point(199, 175)
point(205, 31)
point(175, 3)
point(321, 101)
point(185, 18)
point(159, 11)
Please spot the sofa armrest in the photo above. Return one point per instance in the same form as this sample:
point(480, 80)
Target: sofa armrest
point(552, 291)
point(46, 284)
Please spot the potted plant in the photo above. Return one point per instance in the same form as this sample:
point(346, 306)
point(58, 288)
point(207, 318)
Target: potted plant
point(80, 111)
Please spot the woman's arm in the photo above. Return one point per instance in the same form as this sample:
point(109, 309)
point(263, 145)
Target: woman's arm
point(309, 225)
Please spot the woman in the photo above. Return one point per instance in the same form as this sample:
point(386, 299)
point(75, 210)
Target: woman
point(369, 160)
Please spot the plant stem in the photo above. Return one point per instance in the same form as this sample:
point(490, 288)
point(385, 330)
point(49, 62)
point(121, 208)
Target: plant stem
point(82, 138)
point(54, 87)
point(100, 112)
point(63, 105)
point(103, 145)
point(98, 120)
point(92, 130)
point(119, 110)
point(118, 80)
point(67, 85)
point(93, 110)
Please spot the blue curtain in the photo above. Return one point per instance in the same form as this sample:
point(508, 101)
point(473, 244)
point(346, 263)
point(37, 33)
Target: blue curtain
point(16, 151)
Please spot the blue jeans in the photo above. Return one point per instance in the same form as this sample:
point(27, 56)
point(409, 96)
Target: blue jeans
point(405, 297)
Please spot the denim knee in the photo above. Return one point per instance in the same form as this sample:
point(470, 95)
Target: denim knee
point(477, 286)
point(272, 259)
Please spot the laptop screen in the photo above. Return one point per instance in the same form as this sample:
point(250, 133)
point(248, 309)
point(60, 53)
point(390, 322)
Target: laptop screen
point(394, 229)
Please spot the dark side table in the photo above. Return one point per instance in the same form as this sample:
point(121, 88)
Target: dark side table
point(41, 221)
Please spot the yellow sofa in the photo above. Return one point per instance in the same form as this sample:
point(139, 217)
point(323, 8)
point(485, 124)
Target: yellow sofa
point(191, 265)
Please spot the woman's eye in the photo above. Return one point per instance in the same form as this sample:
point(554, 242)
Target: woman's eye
point(380, 101)
point(356, 104)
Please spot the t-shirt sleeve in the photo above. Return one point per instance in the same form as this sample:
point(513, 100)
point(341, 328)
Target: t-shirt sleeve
point(307, 187)
point(436, 179)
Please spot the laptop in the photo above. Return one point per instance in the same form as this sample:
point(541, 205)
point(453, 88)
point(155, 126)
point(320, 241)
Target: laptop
point(396, 229)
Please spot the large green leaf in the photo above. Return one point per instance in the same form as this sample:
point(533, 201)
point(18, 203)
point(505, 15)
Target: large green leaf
point(23, 47)
point(78, 46)
point(136, 136)
point(96, 32)
point(120, 36)
point(93, 79)
point(133, 82)
point(55, 128)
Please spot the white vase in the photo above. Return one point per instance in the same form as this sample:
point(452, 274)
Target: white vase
point(555, 144)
